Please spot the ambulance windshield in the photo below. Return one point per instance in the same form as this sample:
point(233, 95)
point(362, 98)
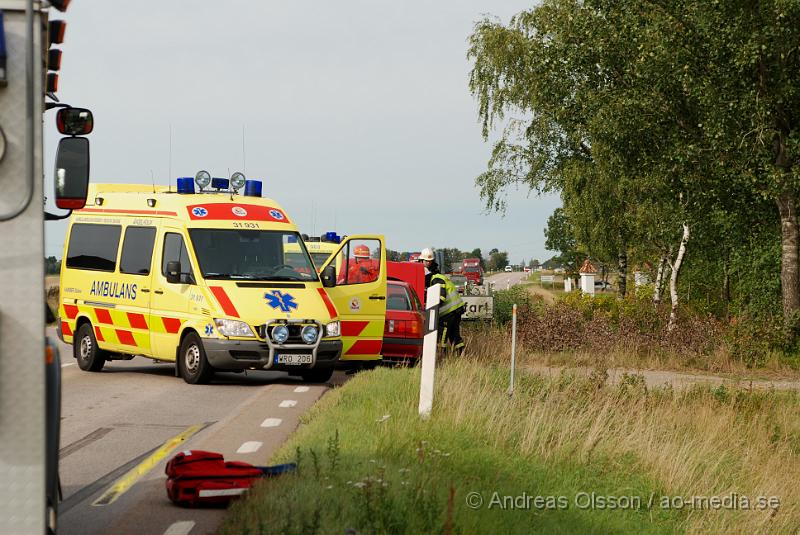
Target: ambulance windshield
point(252, 255)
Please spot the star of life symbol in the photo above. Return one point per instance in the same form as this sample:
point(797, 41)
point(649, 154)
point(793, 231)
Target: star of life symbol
point(238, 210)
point(199, 211)
point(282, 301)
point(276, 214)
point(209, 330)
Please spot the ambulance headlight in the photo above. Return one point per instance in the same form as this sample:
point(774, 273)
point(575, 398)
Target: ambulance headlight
point(333, 329)
point(202, 179)
point(233, 328)
point(309, 334)
point(280, 333)
point(237, 181)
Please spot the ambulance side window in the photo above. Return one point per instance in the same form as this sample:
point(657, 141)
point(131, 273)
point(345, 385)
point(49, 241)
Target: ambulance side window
point(175, 250)
point(358, 262)
point(93, 247)
point(137, 250)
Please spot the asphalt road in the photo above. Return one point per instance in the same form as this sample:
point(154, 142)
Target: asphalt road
point(115, 420)
point(505, 280)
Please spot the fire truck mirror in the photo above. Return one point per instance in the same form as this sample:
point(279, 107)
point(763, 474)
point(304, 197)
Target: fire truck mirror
point(72, 173)
point(74, 121)
point(328, 276)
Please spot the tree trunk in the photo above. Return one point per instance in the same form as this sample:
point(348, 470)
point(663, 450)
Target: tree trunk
point(726, 284)
point(673, 280)
point(623, 272)
point(663, 265)
point(790, 282)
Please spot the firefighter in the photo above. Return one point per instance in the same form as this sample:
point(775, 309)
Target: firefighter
point(451, 306)
point(362, 268)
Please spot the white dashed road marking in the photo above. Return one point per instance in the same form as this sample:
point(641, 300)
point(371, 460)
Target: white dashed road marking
point(67, 364)
point(249, 447)
point(271, 422)
point(288, 403)
point(301, 389)
point(180, 528)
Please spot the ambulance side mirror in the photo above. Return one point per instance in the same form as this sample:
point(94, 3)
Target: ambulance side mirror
point(173, 272)
point(328, 276)
point(72, 173)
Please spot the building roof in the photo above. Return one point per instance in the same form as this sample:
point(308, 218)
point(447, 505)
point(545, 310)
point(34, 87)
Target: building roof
point(587, 267)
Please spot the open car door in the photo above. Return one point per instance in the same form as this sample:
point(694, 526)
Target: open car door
point(360, 295)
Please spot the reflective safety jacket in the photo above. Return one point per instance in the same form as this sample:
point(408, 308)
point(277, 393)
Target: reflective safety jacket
point(450, 299)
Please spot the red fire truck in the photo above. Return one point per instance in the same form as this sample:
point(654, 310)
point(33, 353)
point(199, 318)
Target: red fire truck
point(472, 270)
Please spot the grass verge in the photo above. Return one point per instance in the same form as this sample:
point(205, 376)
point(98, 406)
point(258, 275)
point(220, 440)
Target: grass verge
point(368, 463)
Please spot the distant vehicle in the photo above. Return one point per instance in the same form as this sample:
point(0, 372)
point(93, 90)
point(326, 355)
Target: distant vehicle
point(509, 269)
point(602, 286)
point(472, 270)
point(403, 332)
point(460, 280)
point(321, 247)
point(413, 257)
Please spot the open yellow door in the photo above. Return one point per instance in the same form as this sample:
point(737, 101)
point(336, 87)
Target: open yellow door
point(360, 295)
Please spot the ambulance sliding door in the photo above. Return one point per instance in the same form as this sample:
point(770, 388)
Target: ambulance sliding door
point(132, 314)
point(360, 295)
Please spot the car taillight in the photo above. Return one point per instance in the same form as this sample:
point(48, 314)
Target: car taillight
point(415, 327)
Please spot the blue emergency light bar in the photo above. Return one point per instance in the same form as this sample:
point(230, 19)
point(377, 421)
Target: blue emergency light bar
point(186, 184)
point(220, 183)
point(332, 237)
point(252, 188)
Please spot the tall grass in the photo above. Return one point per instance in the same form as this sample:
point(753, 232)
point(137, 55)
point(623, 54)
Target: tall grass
point(632, 332)
point(394, 473)
point(491, 344)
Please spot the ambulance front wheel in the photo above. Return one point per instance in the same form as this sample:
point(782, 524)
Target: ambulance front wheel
point(84, 347)
point(317, 375)
point(193, 365)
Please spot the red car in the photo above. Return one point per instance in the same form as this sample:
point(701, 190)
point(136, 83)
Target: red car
point(402, 332)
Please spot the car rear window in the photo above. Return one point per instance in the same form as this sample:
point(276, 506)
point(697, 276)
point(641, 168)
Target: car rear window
point(397, 298)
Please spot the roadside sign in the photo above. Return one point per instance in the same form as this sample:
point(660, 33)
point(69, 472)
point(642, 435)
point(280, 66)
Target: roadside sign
point(548, 278)
point(478, 307)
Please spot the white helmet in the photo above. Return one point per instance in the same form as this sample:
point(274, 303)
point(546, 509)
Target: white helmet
point(426, 254)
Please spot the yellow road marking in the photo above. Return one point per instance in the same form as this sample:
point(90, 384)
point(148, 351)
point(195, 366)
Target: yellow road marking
point(124, 483)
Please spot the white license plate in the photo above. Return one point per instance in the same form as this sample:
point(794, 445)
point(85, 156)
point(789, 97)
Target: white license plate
point(293, 360)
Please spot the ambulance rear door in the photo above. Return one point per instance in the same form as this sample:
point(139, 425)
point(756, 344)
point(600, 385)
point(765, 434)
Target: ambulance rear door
point(360, 295)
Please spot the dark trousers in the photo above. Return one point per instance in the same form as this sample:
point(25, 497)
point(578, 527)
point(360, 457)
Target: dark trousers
point(450, 330)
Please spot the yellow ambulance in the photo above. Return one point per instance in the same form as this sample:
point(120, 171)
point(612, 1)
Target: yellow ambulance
point(212, 279)
point(322, 247)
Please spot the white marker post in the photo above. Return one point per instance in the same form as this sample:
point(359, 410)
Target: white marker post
point(429, 350)
point(513, 347)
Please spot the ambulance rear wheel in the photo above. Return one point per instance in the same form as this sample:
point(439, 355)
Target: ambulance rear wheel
point(192, 362)
point(318, 375)
point(84, 347)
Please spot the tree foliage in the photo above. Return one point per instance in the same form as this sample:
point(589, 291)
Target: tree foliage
point(648, 116)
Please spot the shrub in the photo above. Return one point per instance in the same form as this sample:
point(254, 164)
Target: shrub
point(505, 299)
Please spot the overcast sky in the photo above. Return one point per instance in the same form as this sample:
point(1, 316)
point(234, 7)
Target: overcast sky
point(356, 113)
